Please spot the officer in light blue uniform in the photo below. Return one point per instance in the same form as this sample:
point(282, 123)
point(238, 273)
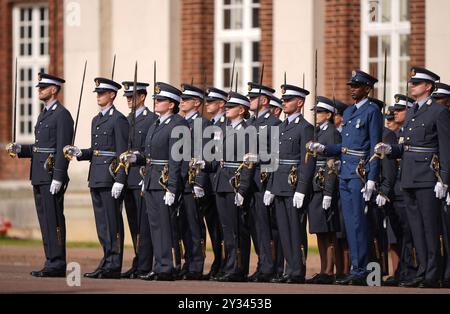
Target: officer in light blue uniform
point(361, 131)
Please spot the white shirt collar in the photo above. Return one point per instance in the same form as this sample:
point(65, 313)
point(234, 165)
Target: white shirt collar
point(218, 117)
point(163, 119)
point(324, 125)
point(235, 123)
point(50, 105)
point(140, 110)
point(423, 101)
point(361, 103)
point(105, 111)
point(190, 115)
point(293, 116)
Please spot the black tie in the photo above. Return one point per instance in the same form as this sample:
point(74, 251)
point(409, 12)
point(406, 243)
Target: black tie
point(416, 107)
point(158, 122)
point(213, 121)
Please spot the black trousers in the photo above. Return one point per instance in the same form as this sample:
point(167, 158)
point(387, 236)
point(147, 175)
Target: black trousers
point(194, 234)
point(236, 234)
point(135, 207)
point(211, 216)
point(162, 219)
point(266, 231)
point(446, 239)
point(423, 210)
point(292, 235)
point(110, 231)
point(50, 212)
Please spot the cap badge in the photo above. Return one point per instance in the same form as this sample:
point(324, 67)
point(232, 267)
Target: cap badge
point(397, 99)
point(413, 72)
point(250, 87)
point(97, 83)
point(126, 86)
point(39, 77)
point(353, 73)
point(157, 89)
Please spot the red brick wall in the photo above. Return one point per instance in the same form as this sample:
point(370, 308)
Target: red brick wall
point(417, 44)
point(19, 169)
point(266, 44)
point(197, 41)
point(342, 44)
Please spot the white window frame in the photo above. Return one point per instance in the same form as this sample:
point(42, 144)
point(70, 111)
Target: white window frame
point(35, 62)
point(395, 28)
point(247, 35)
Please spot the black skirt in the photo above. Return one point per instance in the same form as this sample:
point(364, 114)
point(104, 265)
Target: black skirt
point(319, 219)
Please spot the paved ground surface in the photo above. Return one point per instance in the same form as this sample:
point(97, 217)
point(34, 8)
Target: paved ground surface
point(16, 262)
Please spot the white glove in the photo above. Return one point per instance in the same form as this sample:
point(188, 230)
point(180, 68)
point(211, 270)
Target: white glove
point(169, 198)
point(316, 147)
point(298, 200)
point(116, 190)
point(130, 158)
point(238, 200)
point(380, 146)
point(268, 198)
point(326, 202)
point(199, 192)
point(142, 185)
point(367, 190)
point(200, 163)
point(250, 158)
point(440, 190)
point(13, 148)
point(448, 199)
point(73, 151)
point(55, 187)
point(381, 200)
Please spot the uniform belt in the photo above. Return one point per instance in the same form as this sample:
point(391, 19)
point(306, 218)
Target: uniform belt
point(351, 152)
point(287, 162)
point(44, 150)
point(321, 163)
point(230, 165)
point(155, 162)
point(100, 153)
point(417, 149)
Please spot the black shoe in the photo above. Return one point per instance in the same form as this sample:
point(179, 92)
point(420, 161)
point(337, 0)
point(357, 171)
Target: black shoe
point(216, 277)
point(313, 280)
point(358, 281)
point(344, 281)
point(429, 285)
point(130, 274)
point(390, 282)
point(253, 276)
point(164, 277)
point(263, 277)
point(325, 279)
point(279, 278)
point(193, 276)
point(109, 274)
point(414, 283)
point(295, 280)
point(45, 273)
point(148, 277)
point(94, 274)
point(232, 278)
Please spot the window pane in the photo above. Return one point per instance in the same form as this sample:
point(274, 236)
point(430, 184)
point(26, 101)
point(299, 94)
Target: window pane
point(386, 11)
point(404, 45)
point(255, 74)
point(255, 48)
point(226, 53)
point(404, 10)
point(373, 47)
point(255, 19)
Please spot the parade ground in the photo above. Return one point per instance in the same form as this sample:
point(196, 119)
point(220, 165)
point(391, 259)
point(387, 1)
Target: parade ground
point(18, 258)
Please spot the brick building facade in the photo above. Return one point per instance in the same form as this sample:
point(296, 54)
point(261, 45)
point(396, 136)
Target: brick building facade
point(342, 29)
